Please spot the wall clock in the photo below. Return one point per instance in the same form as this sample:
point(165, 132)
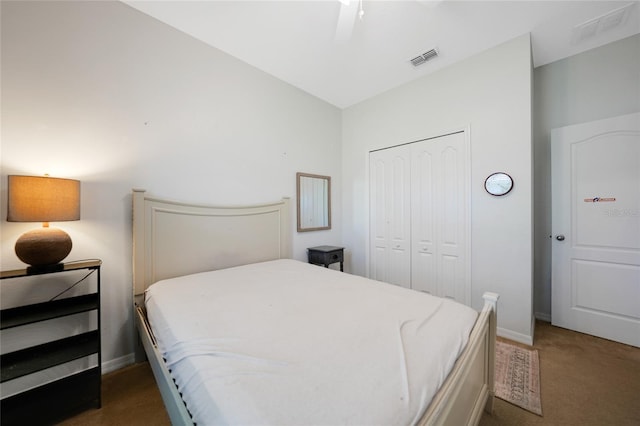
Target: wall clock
point(498, 184)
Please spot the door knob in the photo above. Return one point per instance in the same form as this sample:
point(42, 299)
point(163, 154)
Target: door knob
point(560, 237)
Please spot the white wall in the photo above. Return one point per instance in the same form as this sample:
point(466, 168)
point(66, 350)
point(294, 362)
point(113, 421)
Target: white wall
point(490, 93)
point(600, 83)
point(99, 92)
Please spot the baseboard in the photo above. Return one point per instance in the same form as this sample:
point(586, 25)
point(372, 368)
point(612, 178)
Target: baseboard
point(516, 337)
point(118, 363)
point(543, 316)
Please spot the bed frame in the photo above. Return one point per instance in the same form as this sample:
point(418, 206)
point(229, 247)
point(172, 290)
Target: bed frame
point(172, 239)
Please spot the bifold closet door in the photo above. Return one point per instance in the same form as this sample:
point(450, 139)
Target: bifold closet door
point(419, 216)
point(390, 216)
point(440, 217)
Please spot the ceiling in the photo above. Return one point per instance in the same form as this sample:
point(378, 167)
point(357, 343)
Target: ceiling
point(296, 41)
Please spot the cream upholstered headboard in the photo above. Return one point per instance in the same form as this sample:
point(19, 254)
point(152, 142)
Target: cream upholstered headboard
point(172, 238)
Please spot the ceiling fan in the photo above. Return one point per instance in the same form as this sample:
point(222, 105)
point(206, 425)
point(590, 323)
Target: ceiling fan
point(349, 9)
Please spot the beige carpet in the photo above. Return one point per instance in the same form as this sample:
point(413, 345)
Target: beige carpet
point(518, 376)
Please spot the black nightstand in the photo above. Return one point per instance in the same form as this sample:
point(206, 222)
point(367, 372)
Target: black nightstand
point(326, 255)
point(60, 398)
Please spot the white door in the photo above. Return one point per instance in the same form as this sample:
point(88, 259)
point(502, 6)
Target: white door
point(596, 228)
point(440, 217)
point(419, 216)
point(390, 216)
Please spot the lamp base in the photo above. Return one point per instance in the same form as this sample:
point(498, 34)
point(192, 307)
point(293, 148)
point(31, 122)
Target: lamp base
point(43, 247)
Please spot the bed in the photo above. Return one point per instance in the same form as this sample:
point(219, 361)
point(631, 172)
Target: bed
point(311, 370)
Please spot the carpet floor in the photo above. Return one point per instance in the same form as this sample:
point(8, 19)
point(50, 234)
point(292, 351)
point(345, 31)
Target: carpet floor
point(584, 381)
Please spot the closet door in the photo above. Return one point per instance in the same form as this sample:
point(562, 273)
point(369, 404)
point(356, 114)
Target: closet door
point(440, 217)
point(390, 216)
point(424, 193)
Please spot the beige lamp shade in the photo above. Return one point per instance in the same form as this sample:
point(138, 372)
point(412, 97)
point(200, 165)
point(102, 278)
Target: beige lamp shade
point(43, 199)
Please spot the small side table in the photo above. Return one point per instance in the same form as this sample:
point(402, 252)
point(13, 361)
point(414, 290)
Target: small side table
point(326, 255)
point(55, 400)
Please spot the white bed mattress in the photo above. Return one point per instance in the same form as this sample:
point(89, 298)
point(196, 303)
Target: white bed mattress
point(288, 343)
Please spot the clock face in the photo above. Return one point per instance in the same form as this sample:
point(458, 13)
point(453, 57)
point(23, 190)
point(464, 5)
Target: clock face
point(498, 184)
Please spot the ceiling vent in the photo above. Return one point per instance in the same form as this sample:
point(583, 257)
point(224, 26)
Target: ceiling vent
point(606, 22)
point(421, 59)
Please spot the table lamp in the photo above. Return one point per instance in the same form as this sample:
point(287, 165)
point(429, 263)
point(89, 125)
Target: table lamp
point(43, 199)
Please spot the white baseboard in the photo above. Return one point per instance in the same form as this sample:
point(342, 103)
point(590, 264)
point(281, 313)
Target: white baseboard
point(516, 337)
point(118, 363)
point(543, 316)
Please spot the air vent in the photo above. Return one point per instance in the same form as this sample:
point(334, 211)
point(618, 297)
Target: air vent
point(606, 22)
point(421, 59)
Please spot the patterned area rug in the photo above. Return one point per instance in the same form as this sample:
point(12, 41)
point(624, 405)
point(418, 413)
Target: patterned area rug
point(518, 376)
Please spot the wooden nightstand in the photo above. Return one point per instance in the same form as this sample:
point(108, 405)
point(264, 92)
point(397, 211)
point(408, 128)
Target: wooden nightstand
point(326, 255)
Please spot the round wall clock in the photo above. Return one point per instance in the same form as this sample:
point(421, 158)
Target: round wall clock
point(498, 184)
